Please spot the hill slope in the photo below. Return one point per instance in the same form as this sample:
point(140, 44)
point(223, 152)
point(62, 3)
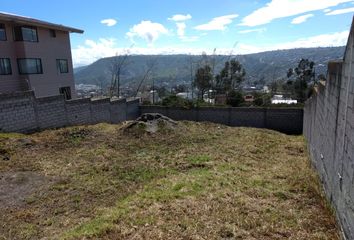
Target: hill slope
point(175, 69)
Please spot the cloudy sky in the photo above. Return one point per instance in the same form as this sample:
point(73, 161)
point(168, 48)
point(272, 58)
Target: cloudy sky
point(192, 26)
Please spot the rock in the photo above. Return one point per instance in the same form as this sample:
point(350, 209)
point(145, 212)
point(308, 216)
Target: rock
point(148, 117)
point(151, 123)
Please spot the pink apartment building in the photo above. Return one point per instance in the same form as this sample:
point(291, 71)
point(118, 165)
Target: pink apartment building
point(35, 55)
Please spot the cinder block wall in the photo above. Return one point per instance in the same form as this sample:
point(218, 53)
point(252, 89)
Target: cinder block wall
point(329, 130)
point(22, 112)
point(17, 112)
point(283, 119)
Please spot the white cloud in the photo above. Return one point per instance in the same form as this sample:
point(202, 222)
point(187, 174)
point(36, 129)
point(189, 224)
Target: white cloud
point(180, 17)
point(257, 30)
point(327, 10)
point(109, 22)
point(92, 51)
point(301, 19)
point(285, 8)
point(218, 23)
point(147, 30)
point(340, 11)
point(181, 27)
point(189, 38)
point(324, 40)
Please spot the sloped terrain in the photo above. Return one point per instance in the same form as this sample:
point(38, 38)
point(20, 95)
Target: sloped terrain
point(175, 69)
point(202, 181)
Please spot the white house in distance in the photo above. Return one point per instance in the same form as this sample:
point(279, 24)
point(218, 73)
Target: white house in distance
point(279, 99)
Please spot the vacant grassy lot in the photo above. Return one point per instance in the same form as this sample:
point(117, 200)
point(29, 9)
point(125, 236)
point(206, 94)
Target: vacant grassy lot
point(202, 181)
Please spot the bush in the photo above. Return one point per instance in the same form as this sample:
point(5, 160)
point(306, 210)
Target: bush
point(175, 101)
point(234, 98)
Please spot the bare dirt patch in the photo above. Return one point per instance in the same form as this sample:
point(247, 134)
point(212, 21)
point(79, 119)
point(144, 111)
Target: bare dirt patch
point(16, 187)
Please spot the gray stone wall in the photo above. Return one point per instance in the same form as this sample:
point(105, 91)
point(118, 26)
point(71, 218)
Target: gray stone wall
point(22, 112)
point(329, 130)
point(132, 109)
point(283, 119)
point(17, 112)
point(100, 111)
point(78, 111)
point(118, 111)
point(50, 112)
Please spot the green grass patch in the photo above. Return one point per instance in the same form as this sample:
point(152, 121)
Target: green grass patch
point(179, 186)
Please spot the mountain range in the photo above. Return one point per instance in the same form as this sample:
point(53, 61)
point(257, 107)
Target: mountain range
point(171, 70)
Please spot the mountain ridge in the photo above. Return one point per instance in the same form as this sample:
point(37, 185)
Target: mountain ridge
point(171, 70)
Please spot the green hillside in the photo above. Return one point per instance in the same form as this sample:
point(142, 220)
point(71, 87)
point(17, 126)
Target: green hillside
point(175, 69)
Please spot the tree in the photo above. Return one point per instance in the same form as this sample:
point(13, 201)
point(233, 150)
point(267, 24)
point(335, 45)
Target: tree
point(162, 91)
point(118, 64)
point(180, 88)
point(258, 99)
point(234, 98)
point(192, 69)
point(203, 80)
point(273, 87)
point(150, 65)
point(305, 73)
point(231, 76)
point(100, 82)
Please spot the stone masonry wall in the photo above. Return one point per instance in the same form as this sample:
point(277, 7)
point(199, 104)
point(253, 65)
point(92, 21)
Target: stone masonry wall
point(22, 112)
point(329, 130)
point(283, 119)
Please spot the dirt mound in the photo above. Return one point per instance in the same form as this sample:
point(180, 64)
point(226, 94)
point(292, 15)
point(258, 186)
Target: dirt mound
point(151, 123)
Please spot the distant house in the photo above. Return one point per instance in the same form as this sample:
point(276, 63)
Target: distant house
point(249, 98)
point(35, 55)
point(279, 99)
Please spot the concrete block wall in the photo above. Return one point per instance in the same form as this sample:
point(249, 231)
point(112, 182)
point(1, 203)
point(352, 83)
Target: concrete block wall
point(78, 111)
point(284, 120)
point(22, 112)
point(118, 110)
point(250, 117)
point(101, 111)
point(50, 112)
point(329, 130)
point(132, 109)
point(17, 112)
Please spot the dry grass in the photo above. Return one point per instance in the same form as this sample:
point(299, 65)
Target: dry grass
point(204, 181)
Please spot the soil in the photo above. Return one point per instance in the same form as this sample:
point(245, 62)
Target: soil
point(16, 187)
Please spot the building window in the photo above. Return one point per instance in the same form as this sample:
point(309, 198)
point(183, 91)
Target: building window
point(66, 92)
point(2, 32)
point(52, 33)
point(62, 65)
point(26, 33)
point(5, 66)
point(30, 66)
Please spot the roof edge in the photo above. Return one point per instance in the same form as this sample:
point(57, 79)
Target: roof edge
point(8, 17)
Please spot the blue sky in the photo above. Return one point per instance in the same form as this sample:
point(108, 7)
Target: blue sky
point(186, 26)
